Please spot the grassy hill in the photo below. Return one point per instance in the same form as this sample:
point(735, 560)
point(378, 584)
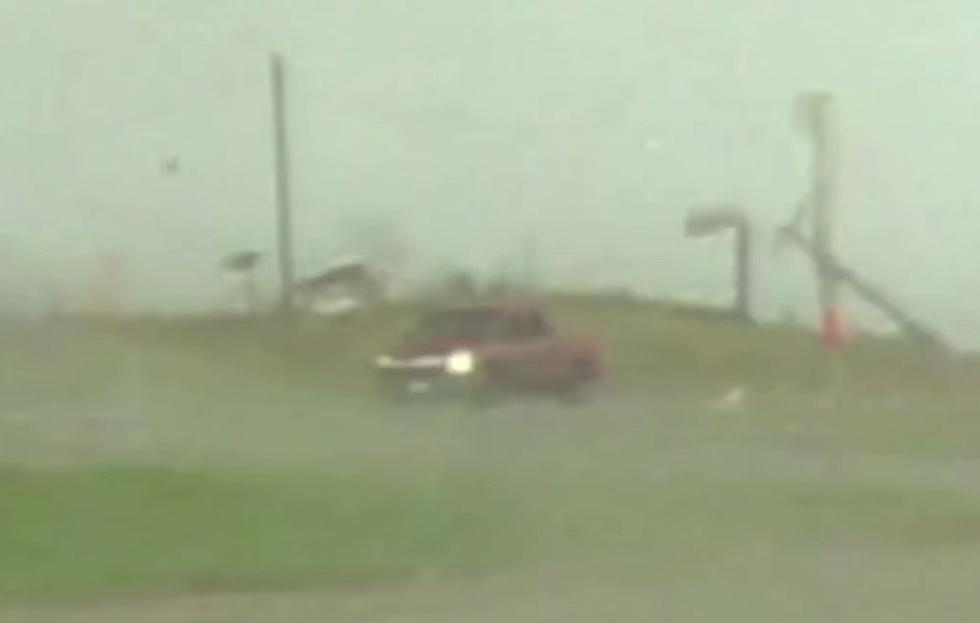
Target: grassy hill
point(649, 346)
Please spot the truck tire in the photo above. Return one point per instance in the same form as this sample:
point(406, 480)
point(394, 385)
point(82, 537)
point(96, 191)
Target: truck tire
point(576, 389)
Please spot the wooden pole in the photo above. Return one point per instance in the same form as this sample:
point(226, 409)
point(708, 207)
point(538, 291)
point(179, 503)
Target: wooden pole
point(283, 189)
point(817, 110)
point(743, 270)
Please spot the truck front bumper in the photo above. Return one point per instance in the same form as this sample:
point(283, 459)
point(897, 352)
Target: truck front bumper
point(423, 376)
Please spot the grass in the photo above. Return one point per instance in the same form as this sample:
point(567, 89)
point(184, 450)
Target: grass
point(649, 346)
point(188, 455)
point(119, 529)
point(111, 530)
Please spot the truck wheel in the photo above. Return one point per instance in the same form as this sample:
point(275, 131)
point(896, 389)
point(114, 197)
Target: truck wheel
point(572, 396)
point(577, 389)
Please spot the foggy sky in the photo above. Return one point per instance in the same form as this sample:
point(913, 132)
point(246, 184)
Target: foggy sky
point(589, 126)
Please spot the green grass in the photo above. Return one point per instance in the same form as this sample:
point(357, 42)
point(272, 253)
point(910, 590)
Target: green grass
point(120, 530)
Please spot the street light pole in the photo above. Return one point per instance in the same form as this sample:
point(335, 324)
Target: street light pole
point(713, 220)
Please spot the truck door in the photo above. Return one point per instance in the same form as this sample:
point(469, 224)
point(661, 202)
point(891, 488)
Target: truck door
point(535, 358)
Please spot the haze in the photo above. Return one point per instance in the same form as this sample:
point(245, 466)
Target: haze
point(587, 126)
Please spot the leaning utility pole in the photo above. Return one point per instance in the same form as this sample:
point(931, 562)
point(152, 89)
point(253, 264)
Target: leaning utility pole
point(283, 194)
point(816, 110)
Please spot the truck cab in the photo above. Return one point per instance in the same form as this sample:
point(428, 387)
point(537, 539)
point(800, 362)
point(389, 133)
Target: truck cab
point(513, 347)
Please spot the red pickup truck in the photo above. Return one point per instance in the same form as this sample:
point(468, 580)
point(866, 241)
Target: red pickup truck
point(479, 349)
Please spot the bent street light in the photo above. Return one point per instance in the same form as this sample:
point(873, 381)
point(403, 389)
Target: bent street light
point(710, 221)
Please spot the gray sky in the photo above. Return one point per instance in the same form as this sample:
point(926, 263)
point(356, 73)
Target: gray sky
point(593, 124)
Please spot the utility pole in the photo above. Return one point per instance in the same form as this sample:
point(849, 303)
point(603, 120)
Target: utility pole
point(815, 114)
point(283, 191)
point(817, 110)
point(743, 269)
point(529, 257)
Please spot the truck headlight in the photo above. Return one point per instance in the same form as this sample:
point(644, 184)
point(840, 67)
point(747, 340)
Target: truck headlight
point(461, 363)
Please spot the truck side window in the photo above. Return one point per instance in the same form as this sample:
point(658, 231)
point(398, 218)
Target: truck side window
point(519, 326)
point(530, 326)
point(541, 327)
point(503, 327)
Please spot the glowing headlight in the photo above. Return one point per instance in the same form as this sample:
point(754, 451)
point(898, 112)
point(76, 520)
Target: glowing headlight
point(461, 363)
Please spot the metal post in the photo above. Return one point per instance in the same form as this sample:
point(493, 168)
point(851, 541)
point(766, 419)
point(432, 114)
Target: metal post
point(529, 261)
point(283, 194)
point(743, 270)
